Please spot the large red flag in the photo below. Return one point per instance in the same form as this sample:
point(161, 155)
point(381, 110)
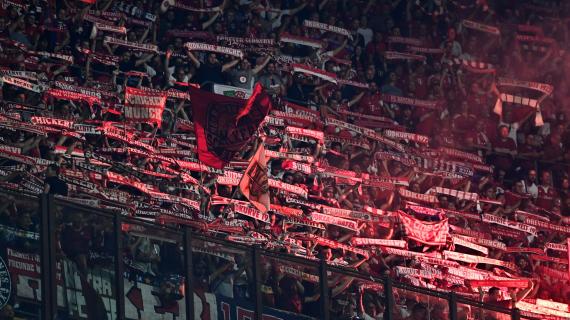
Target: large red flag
point(223, 125)
point(144, 105)
point(254, 183)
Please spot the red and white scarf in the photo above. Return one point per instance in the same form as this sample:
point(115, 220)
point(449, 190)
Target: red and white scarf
point(461, 195)
point(545, 89)
point(509, 224)
point(319, 73)
point(132, 45)
point(400, 135)
point(378, 242)
point(304, 41)
point(196, 46)
point(405, 40)
point(469, 258)
point(427, 104)
point(339, 222)
point(481, 27)
point(326, 27)
point(428, 198)
point(395, 55)
point(20, 83)
point(74, 96)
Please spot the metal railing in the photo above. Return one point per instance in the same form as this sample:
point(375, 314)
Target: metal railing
point(123, 273)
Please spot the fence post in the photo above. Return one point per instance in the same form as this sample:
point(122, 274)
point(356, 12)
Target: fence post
point(189, 283)
point(390, 305)
point(46, 259)
point(257, 283)
point(324, 287)
point(515, 314)
point(119, 268)
point(452, 306)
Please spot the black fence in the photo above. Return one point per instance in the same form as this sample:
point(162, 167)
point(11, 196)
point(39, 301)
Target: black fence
point(67, 260)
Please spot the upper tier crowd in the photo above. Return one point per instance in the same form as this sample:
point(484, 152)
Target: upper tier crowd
point(425, 140)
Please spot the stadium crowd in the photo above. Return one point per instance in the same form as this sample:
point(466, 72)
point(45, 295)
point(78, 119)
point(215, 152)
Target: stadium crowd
point(426, 140)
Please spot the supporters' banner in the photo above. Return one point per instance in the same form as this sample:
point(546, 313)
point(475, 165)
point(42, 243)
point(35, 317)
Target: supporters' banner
point(304, 41)
point(230, 91)
point(378, 242)
point(254, 184)
point(427, 104)
point(319, 73)
point(219, 135)
point(327, 28)
point(430, 233)
point(196, 46)
point(481, 27)
point(144, 106)
point(131, 45)
point(339, 222)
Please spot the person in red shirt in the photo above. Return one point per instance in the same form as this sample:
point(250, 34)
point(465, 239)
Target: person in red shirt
point(371, 102)
point(546, 192)
point(505, 148)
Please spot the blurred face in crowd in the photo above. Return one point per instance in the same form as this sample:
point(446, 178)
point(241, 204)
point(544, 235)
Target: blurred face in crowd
point(565, 183)
point(545, 178)
point(519, 188)
point(212, 59)
point(495, 295)
point(532, 176)
point(504, 132)
point(271, 68)
point(327, 254)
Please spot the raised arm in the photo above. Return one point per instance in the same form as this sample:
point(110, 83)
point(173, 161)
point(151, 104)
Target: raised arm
point(262, 65)
point(229, 65)
point(193, 58)
point(210, 21)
